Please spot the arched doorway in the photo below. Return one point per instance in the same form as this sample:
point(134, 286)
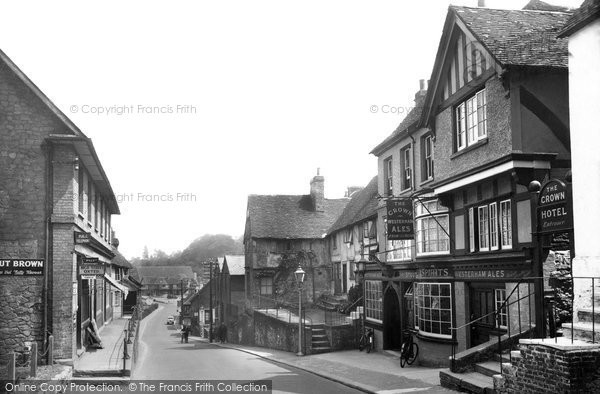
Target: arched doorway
point(392, 330)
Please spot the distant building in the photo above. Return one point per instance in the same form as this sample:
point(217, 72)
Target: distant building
point(283, 232)
point(166, 280)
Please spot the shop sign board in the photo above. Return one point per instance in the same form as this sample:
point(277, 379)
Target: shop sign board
point(400, 224)
point(82, 238)
point(91, 268)
point(22, 267)
point(554, 207)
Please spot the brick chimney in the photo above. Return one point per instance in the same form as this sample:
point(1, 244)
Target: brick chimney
point(420, 95)
point(317, 192)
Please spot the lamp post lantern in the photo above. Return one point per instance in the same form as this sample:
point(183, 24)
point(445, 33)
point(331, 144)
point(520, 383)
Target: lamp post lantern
point(299, 279)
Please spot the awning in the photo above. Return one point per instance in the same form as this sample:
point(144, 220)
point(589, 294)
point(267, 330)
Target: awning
point(117, 285)
point(130, 285)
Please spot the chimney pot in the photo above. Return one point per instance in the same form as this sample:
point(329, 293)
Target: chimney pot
point(421, 84)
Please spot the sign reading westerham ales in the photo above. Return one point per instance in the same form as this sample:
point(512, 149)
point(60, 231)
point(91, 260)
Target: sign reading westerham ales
point(554, 208)
point(400, 220)
point(24, 267)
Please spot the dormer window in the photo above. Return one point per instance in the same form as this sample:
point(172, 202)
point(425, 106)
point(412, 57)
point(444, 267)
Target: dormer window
point(471, 120)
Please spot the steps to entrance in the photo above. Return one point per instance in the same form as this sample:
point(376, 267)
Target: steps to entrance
point(583, 331)
point(472, 382)
point(320, 342)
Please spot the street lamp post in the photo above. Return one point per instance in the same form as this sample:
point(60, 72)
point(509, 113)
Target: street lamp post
point(299, 279)
point(210, 301)
point(361, 268)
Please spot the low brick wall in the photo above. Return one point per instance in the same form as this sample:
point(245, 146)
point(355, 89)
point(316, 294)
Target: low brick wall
point(545, 366)
point(342, 337)
point(273, 333)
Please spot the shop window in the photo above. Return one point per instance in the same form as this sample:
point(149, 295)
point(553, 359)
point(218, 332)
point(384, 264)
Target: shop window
point(432, 229)
point(471, 120)
point(433, 309)
point(266, 285)
point(373, 300)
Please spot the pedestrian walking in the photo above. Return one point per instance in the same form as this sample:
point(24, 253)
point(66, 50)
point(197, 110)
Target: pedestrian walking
point(185, 333)
point(223, 332)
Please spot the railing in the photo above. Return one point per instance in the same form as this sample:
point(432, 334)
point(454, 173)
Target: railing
point(340, 318)
point(556, 307)
point(29, 358)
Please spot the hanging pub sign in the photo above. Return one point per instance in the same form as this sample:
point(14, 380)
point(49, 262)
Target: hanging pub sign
point(554, 207)
point(82, 238)
point(22, 267)
point(400, 219)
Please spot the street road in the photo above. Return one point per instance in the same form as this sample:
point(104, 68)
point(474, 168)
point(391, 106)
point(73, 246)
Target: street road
point(163, 357)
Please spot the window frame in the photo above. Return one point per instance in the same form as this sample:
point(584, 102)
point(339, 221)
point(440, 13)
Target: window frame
point(420, 310)
point(470, 120)
point(508, 230)
point(373, 304)
point(483, 227)
point(262, 285)
point(406, 168)
point(388, 180)
point(427, 155)
point(502, 313)
point(437, 216)
point(493, 222)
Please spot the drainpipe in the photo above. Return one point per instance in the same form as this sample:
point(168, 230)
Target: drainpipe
point(49, 153)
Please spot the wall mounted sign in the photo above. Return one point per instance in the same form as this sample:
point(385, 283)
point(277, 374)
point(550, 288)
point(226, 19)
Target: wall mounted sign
point(400, 223)
point(22, 267)
point(554, 207)
point(91, 268)
point(82, 238)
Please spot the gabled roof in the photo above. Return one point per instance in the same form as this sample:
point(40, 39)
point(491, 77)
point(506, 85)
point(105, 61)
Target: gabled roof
point(178, 272)
point(290, 217)
point(538, 5)
point(513, 38)
point(589, 11)
point(236, 264)
point(362, 206)
point(518, 37)
point(405, 127)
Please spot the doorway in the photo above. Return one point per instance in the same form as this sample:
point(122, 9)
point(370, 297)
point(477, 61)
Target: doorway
point(482, 308)
point(392, 329)
point(345, 278)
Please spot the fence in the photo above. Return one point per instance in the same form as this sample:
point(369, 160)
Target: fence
point(28, 359)
point(557, 307)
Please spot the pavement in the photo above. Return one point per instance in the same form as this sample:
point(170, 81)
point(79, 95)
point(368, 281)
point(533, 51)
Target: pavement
point(375, 372)
point(107, 361)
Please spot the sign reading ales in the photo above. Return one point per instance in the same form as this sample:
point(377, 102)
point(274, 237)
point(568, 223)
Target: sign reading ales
point(554, 210)
point(400, 219)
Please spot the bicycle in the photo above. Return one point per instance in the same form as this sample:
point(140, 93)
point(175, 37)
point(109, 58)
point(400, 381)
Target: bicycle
point(367, 340)
point(409, 350)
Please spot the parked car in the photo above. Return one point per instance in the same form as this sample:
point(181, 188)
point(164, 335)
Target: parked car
point(171, 320)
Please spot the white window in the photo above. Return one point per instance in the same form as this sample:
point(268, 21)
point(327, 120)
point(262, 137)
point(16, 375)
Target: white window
point(433, 309)
point(427, 158)
point(505, 224)
point(471, 230)
point(432, 228)
point(348, 236)
point(373, 300)
point(471, 120)
point(483, 228)
point(266, 285)
point(399, 250)
point(493, 226)
point(500, 295)
point(388, 177)
point(406, 168)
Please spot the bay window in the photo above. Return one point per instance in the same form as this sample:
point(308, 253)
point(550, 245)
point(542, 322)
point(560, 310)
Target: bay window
point(433, 309)
point(373, 301)
point(432, 227)
point(490, 228)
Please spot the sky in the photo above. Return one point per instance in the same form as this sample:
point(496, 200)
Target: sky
point(194, 105)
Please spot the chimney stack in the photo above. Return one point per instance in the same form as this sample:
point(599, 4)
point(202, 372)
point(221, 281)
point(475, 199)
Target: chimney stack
point(317, 192)
point(420, 95)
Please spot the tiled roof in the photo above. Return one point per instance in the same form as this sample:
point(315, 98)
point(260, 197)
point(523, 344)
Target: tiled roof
point(362, 206)
point(120, 260)
point(404, 127)
point(538, 5)
point(236, 264)
point(519, 37)
point(589, 10)
point(290, 217)
point(163, 273)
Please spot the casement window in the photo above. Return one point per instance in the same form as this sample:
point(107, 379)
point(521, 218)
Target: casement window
point(405, 157)
point(266, 285)
point(373, 301)
point(489, 228)
point(471, 120)
point(334, 241)
point(388, 177)
point(506, 224)
point(348, 236)
point(433, 309)
point(432, 228)
point(500, 295)
point(427, 154)
point(366, 229)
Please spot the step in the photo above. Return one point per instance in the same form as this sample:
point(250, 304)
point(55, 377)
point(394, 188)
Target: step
point(489, 368)
point(504, 357)
point(101, 373)
point(583, 331)
point(320, 349)
point(320, 343)
point(589, 315)
point(473, 382)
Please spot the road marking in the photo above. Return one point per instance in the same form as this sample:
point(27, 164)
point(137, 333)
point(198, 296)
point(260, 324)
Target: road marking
point(398, 391)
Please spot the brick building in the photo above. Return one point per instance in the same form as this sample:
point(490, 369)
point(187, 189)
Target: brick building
point(496, 115)
point(282, 232)
point(56, 204)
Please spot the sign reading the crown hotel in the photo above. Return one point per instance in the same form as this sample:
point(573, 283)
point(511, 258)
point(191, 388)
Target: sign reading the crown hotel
point(400, 219)
point(554, 208)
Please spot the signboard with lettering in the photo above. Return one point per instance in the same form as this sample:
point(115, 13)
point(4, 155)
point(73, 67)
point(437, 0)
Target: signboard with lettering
point(91, 268)
point(400, 223)
point(22, 267)
point(554, 207)
point(82, 238)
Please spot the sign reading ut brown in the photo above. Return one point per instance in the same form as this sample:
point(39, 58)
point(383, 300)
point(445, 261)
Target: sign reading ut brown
point(400, 219)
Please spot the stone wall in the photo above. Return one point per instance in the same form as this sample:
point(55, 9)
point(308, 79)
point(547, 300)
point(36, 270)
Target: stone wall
point(546, 366)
